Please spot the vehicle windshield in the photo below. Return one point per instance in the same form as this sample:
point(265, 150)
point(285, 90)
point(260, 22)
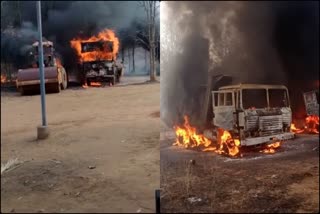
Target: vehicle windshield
point(278, 98)
point(46, 50)
point(254, 98)
point(96, 46)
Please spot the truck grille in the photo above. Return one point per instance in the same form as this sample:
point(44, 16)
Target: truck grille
point(252, 123)
point(270, 125)
point(286, 119)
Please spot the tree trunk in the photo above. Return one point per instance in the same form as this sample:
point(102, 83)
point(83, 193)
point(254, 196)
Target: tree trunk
point(145, 60)
point(122, 53)
point(129, 61)
point(151, 39)
point(133, 63)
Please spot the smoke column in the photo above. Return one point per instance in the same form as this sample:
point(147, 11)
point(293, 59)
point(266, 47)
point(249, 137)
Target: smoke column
point(254, 42)
point(64, 20)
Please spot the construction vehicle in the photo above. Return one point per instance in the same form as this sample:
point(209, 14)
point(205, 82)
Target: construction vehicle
point(54, 73)
point(100, 64)
point(252, 113)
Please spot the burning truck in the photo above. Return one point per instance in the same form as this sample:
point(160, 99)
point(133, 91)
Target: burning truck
point(97, 58)
point(240, 115)
point(253, 113)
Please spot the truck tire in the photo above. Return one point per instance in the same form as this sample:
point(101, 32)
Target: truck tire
point(119, 73)
point(118, 76)
point(113, 80)
point(64, 83)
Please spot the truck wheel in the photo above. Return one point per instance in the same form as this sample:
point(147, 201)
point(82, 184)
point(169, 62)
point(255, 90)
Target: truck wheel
point(64, 83)
point(88, 82)
point(113, 80)
point(118, 75)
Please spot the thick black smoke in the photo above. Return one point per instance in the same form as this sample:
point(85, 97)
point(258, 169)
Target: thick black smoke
point(254, 42)
point(64, 20)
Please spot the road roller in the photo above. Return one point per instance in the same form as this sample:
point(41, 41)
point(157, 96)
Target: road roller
point(28, 80)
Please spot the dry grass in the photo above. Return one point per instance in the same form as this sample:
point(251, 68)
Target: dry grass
point(234, 187)
point(9, 165)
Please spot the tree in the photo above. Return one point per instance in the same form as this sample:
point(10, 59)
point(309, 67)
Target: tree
point(151, 8)
point(128, 41)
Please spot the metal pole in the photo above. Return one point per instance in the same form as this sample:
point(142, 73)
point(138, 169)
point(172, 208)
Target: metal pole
point(157, 197)
point(42, 83)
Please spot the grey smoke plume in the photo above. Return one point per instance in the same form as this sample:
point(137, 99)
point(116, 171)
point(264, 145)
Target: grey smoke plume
point(64, 20)
point(15, 43)
point(254, 42)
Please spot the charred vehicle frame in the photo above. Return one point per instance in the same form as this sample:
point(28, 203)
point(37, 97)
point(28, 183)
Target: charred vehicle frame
point(253, 113)
point(101, 69)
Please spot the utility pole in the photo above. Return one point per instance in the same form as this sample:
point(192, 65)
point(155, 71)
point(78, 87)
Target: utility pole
point(42, 131)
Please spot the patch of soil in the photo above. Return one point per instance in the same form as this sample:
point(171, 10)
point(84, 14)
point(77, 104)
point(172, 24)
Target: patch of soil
point(284, 182)
point(104, 144)
point(155, 114)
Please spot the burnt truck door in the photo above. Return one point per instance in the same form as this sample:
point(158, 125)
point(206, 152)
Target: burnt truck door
point(223, 105)
point(311, 100)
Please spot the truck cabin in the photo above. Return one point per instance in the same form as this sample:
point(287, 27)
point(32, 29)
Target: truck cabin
point(100, 51)
point(254, 113)
point(251, 96)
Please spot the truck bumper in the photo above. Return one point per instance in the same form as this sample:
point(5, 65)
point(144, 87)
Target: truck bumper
point(266, 139)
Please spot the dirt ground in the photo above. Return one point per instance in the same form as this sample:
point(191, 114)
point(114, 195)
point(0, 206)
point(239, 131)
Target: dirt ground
point(284, 182)
point(102, 154)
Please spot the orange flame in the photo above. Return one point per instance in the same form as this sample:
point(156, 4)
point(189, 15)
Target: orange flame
point(85, 86)
point(187, 137)
point(271, 148)
point(58, 61)
point(97, 84)
point(3, 78)
point(294, 129)
point(312, 124)
point(92, 84)
point(105, 35)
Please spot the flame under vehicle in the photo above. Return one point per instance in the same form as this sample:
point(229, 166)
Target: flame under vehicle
point(55, 75)
point(102, 68)
point(252, 113)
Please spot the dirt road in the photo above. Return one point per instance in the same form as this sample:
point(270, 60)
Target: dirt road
point(102, 154)
point(287, 181)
